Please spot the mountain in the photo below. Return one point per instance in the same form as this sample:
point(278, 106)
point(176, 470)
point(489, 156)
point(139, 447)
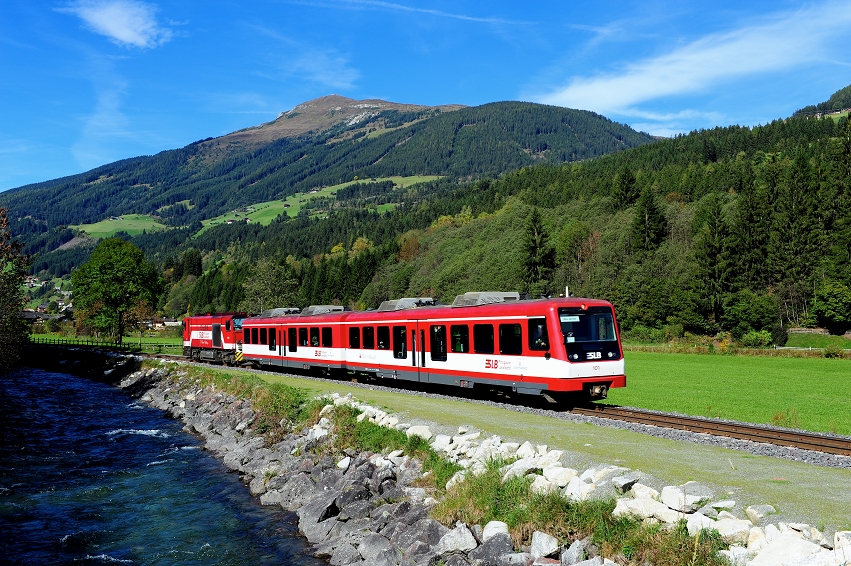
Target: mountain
point(319, 143)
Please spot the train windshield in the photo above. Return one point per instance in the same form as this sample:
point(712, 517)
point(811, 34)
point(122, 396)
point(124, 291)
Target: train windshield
point(589, 334)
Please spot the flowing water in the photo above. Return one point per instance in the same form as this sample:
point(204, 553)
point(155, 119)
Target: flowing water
point(90, 476)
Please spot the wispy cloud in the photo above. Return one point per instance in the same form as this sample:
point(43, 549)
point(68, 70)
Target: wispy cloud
point(325, 66)
point(128, 23)
point(782, 42)
point(392, 6)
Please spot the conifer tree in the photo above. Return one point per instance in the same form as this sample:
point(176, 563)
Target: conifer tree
point(648, 225)
point(539, 254)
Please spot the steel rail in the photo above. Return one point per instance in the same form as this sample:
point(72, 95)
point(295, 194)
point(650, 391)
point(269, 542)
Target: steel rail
point(755, 433)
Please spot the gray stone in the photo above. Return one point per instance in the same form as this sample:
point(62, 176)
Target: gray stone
point(355, 510)
point(543, 545)
point(493, 528)
point(371, 546)
point(757, 512)
point(345, 554)
point(317, 532)
point(459, 539)
point(516, 559)
point(351, 494)
point(596, 561)
point(687, 498)
point(708, 511)
point(271, 498)
point(418, 553)
point(489, 553)
point(318, 509)
point(575, 554)
point(390, 556)
point(296, 491)
point(697, 522)
point(427, 531)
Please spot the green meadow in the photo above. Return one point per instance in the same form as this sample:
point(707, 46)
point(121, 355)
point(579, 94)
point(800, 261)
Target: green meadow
point(807, 393)
point(265, 212)
point(133, 224)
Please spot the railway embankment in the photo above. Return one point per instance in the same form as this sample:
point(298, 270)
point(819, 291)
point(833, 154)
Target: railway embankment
point(362, 507)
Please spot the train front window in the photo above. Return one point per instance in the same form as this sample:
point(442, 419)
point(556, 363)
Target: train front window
point(589, 335)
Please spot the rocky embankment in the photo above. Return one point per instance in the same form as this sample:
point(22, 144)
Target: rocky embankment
point(364, 508)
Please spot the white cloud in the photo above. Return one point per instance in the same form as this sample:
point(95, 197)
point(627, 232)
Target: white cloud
point(779, 43)
point(392, 6)
point(326, 68)
point(128, 23)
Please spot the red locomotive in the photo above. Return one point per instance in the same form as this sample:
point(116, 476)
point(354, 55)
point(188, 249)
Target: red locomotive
point(546, 346)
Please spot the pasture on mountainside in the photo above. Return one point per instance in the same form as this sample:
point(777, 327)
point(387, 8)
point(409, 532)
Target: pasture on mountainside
point(805, 393)
point(133, 224)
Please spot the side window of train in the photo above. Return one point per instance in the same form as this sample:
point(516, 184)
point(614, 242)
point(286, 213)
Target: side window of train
point(254, 336)
point(354, 337)
point(314, 336)
point(227, 325)
point(327, 337)
point(292, 339)
point(460, 338)
point(510, 339)
point(262, 335)
point(383, 337)
point(272, 341)
point(538, 336)
point(400, 351)
point(302, 337)
point(438, 343)
point(368, 337)
point(483, 338)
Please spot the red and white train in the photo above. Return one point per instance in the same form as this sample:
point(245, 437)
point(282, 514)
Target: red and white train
point(545, 346)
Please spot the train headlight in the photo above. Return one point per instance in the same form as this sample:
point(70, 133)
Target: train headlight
point(611, 354)
point(574, 356)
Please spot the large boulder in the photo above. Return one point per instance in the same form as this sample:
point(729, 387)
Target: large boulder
point(493, 528)
point(687, 498)
point(490, 552)
point(543, 545)
point(459, 539)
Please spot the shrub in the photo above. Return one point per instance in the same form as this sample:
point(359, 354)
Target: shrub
point(757, 339)
point(832, 351)
point(779, 335)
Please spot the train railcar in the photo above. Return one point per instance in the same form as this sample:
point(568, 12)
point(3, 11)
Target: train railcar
point(213, 338)
point(548, 346)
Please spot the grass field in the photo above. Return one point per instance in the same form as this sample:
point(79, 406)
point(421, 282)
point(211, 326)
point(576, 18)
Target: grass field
point(808, 393)
point(817, 341)
point(163, 344)
point(133, 224)
point(265, 212)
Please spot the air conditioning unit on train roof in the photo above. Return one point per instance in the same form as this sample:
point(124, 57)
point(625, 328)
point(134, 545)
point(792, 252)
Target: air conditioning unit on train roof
point(407, 303)
point(322, 309)
point(474, 299)
point(269, 313)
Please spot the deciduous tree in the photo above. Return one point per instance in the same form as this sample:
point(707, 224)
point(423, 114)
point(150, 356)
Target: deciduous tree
point(111, 284)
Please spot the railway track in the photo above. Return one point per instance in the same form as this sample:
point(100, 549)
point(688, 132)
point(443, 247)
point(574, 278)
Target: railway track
point(755, 433)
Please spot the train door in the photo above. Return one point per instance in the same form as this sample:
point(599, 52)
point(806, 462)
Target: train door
point(419, 351)
point(217, 336)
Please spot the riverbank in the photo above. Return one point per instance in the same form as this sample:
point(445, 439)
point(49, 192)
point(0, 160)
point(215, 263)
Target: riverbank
point(268, 468)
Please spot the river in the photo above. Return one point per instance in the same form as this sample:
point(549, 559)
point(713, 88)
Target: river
point(90, 476)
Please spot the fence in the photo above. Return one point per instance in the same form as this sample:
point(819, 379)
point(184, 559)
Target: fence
point(128, 346)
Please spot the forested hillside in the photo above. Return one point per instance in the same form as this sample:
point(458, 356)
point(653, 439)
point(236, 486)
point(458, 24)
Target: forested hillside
point(209, 177)
point(840, 100)
point(739, 229)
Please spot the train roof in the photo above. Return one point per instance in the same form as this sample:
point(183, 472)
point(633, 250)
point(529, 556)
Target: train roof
point(527, 307)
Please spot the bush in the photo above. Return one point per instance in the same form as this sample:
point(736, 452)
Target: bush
point(757, 339)
point(641, 333)
point(833, 352)
point(779, 335)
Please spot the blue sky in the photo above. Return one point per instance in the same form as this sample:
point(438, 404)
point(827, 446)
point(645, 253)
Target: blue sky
point(87, 82)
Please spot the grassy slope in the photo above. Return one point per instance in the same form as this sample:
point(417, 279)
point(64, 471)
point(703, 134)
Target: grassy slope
point(265, 212)
point(802, 392)
point(131, 223)
point(818, 341)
